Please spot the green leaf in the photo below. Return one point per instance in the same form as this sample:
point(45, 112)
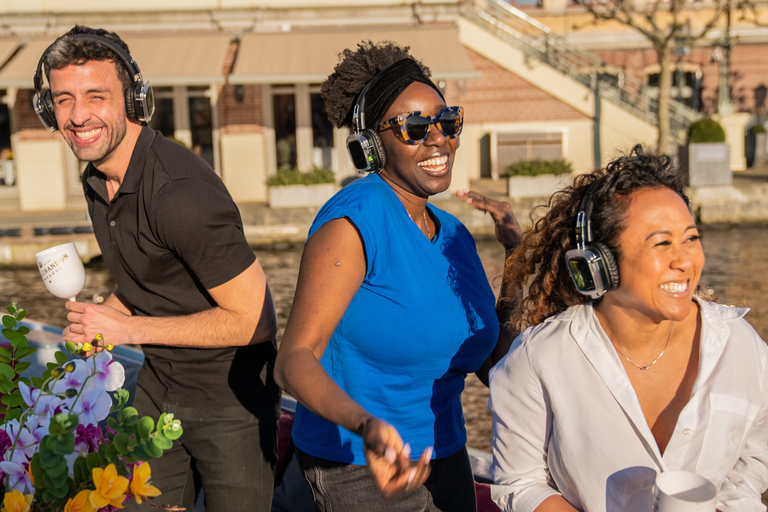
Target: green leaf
point(25, 352)
point(63, 444)
point(70, 347)
point(128, 416)
point(59, 478)
point(6, 352)
point(59, 491)
point(113, 424)
point(37, 382)
point(23, 329)
point(94, 461)
point(145, 427)
point(37, 472)
point(18, 340)
point(152, 449)
point(121, 442)
point(173, 434)
point(4, 359)
point(13, 400)
point(6, 371)
point(81, 471)
point(162, 442)
point(9, 322)
point(22, 315)
point(11, 308)
point(13, 414)
point(6, 386)
point(61, 358)
point(23, 365)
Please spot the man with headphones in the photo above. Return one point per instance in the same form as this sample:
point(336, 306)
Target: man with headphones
point(188, 287)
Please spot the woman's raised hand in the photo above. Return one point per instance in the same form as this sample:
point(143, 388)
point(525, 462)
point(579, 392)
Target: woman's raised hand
point(389, 459)
point(508, 230)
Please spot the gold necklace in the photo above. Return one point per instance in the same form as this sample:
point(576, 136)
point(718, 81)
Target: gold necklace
point(657, 357)
point(426, 223)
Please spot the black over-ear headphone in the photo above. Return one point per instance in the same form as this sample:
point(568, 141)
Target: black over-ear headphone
point(591, 264)
point(139, 99)
point(364, 145)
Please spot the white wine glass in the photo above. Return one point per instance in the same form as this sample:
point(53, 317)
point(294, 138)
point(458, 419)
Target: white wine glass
point(62, 270)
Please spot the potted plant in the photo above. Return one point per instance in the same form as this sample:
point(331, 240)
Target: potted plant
point(68, 441)
point(755, 146)
point(291, 188)
point(537, 177)
point(707, 156)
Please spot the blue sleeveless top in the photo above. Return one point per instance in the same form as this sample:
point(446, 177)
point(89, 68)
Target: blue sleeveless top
point(423, 318)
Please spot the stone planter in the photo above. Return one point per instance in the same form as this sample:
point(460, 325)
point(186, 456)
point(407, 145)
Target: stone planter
point(536, 186)
point(755, 149)
point(708, 163)
point(298, 196)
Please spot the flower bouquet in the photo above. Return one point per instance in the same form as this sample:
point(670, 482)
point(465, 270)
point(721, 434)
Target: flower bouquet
point(54, 455)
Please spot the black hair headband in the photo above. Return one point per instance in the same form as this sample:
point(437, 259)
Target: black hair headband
point(388, 84)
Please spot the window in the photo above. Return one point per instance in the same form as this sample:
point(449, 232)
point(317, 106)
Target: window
point(500, 149)
point(686, 84)
point(322, 134)
point(284, 106)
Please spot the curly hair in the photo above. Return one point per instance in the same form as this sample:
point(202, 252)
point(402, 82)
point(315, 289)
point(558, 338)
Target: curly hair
point(68, 50)
point(539, 281)
point(355, 69)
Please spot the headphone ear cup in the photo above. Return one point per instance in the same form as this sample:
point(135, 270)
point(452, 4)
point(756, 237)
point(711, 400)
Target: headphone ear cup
point(378, 149)
point(609, 265)
point(131, 109)
point(45, 109)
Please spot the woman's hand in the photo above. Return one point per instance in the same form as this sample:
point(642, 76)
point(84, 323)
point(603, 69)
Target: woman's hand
point(389, 459)
point(508, 230)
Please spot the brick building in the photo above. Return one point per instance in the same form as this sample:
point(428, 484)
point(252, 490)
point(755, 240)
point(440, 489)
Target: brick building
point(238, 81)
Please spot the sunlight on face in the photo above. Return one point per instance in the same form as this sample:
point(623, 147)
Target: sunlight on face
point(661, 257)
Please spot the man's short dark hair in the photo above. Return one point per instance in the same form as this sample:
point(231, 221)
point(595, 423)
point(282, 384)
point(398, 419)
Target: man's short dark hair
point(67, 50)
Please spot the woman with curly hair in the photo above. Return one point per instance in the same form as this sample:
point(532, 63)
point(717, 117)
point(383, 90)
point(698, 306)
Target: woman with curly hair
point(392, 307)
point(625, 370)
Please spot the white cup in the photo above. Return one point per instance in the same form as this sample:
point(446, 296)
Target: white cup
point(683, 491)
point(62, 270)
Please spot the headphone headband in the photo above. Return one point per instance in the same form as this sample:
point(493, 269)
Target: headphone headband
point(139, 98)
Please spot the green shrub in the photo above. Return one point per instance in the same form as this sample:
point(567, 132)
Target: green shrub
point(538, 166)
point(706, 130)
point(757, 128)
point(295, 177)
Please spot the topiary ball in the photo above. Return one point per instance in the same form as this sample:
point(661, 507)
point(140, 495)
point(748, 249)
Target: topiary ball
point(706, 130)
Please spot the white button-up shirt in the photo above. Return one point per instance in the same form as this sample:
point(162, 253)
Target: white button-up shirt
point(566, 418)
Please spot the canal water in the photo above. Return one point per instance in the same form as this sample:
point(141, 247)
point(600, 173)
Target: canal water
point(736, 270)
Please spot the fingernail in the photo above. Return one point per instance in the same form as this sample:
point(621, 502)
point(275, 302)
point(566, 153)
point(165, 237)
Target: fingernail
point(429, 452)
point(411, 476)
point(407, 450)
point(389, 454)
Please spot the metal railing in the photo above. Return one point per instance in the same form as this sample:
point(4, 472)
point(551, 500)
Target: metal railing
point(537, 41)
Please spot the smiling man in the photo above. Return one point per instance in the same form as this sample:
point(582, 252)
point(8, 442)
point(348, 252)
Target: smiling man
point(188, 287)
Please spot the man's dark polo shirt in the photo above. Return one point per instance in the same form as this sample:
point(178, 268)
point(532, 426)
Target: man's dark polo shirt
point(170, 233)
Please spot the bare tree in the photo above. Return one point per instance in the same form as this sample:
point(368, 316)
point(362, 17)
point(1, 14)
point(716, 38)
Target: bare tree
point(669, 25)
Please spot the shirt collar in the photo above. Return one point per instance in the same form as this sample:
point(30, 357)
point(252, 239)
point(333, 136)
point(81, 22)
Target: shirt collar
point(96, 180)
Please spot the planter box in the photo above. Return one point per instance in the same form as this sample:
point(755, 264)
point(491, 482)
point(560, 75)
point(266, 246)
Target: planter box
point(536, 186)
point(298, 196)
point(708, 163)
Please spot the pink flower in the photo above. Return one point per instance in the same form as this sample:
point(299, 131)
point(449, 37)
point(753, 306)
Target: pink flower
point(110, 374)
point(92, 407)
point(72, 380)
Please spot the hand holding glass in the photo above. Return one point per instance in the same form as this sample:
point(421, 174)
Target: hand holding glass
point(62, 270)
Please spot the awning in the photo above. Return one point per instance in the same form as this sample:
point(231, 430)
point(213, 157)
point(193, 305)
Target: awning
point(164, 60)
point(309, 57)
point(7, 47)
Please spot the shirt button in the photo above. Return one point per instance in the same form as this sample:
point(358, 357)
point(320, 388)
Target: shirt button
point(686, 431)
point(112, 223)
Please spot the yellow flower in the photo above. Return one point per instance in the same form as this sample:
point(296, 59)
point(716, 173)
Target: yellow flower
point(17, 502)
point(80, 503)
point(140, 487)
point(110, 488)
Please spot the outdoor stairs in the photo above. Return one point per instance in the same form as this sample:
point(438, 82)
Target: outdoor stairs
point(537, 41)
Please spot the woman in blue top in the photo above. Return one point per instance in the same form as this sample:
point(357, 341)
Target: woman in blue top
point(392, 308)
